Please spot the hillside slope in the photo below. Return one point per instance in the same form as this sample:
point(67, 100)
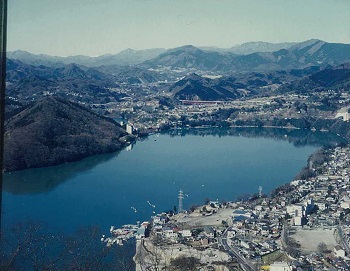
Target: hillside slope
point(54, 131)
point(332, 78)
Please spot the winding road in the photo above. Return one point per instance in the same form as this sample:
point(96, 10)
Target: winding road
point(233, 252)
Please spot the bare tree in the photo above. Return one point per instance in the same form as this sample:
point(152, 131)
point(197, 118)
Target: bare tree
point(29, 246)
point(322, 247)
point(185, 263)
point(26, 246)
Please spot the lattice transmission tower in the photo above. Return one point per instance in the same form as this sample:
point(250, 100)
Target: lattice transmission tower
point(180, 197)
point(260, 191)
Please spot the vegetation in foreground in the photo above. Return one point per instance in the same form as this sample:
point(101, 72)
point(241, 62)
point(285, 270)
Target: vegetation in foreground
point(29, 246)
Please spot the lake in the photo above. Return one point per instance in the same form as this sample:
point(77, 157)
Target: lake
point(106, 190)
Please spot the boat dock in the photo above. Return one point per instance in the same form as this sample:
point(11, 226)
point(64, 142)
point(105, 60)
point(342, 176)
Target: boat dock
point(125, 233)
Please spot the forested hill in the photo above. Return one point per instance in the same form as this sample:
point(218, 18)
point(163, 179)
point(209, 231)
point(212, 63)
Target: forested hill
point(54, 131)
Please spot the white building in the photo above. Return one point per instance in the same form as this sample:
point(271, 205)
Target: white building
point(186, 233)
point(295, 210)
point(129, 129)
point(345, 203)
point(300, 211)
point(298, 221)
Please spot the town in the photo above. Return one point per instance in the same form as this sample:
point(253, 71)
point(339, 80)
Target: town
point(303, 225)
point(155, 110)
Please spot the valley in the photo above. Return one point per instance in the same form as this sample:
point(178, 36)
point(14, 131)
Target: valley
point(190, 87)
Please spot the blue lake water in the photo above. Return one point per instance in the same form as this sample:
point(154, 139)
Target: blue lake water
point(101, 190)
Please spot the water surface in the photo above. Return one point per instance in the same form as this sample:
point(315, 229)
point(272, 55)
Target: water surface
point(100, 190)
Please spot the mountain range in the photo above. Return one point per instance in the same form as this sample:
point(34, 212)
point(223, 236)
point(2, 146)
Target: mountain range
point(259, 46)
point(298, 56)
point(305, 81)
point(126, 57)
point(132, 57)
point(242, 75)
point(251, 47)
point(27, 82)
point(254, 56)
point(196, 87)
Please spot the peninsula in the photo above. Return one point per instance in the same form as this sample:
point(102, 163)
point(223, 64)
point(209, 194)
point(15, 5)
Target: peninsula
point(53, 131)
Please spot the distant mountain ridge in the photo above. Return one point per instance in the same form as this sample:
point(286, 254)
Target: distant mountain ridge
point(130, 56)
point(81, 84)
point(259, 46)
point(126, 57)
point(258, 56)
point(96, 84)
point(189, 57)
point(17, 70)
point(297, 56)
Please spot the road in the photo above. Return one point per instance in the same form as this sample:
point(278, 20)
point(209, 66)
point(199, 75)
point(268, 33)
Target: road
point(284, 236)
point(343, 242)
point(233, 252)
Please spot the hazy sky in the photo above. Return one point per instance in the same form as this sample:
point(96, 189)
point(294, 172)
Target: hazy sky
point(95, 27)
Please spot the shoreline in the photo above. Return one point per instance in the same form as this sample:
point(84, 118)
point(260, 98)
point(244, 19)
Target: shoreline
point(196, 219)
point(146, 135)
